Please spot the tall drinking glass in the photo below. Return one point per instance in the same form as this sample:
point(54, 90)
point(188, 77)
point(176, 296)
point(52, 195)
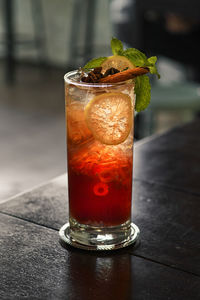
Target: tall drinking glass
point(99, 120)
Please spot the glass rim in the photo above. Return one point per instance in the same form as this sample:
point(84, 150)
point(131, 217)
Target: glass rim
point(86, 84)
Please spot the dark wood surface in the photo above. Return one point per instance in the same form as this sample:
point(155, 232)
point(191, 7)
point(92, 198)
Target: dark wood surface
point(166, 207)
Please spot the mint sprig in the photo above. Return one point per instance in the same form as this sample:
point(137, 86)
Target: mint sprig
point(116, 47)
point(135, 56)
point(143, 92)
point(138, 59)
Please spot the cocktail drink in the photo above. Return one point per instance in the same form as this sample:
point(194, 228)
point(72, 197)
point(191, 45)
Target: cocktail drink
point(100, 157)
point(99, 119)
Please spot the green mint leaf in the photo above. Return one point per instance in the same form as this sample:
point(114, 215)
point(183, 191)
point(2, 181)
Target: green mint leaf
point(116, 46)
point(151, 65)
point(152, 60)
point(94, 63)
point(143, 92)
point(138, 58)
point(153, 70)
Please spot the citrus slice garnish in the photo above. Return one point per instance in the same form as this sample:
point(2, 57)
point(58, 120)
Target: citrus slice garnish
point(109, 116)
point(77, 129)
point(118, 62)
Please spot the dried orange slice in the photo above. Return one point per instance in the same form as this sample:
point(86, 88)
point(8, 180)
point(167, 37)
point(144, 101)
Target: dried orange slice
point(77, 129)
point(109, 116)
point(118, 62)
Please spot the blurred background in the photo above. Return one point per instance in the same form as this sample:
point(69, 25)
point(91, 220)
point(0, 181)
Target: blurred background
point(40, 40)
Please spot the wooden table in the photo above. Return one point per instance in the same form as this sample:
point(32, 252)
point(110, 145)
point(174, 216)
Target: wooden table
point(166, 207)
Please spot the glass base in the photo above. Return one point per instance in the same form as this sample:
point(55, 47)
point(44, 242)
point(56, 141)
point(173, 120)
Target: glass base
point(99, 238)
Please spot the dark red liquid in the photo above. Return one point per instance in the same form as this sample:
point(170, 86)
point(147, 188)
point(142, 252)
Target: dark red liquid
point(102, 197)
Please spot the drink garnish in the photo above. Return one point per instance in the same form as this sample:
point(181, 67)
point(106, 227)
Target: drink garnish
point(128, 59)
point(117, 61)
point(96, 74)
point(109, 116)
point(124, 75)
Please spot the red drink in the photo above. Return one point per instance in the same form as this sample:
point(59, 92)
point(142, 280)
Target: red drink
point(100, 191)
point(100, 159)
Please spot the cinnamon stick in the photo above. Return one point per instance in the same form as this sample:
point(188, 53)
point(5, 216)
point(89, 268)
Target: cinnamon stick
point(124, 75)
